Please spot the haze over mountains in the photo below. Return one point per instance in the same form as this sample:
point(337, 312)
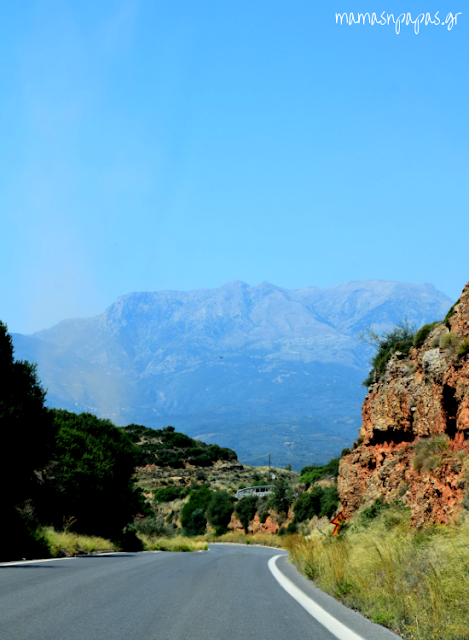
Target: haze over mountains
point(255, 368)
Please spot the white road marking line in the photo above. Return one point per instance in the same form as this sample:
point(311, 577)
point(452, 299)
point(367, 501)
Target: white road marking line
point(12, 564)
point(105, 553)
point(338, 629)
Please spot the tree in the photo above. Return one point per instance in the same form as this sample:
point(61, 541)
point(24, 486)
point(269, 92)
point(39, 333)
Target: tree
point(198, 499)
point(219, 511)
point(94, 464)
point(27, 432)
point(245, 510)
point(282, 496)
point(197, 523)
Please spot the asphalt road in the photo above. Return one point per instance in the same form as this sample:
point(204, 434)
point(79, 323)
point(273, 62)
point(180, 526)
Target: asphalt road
point(227, 592)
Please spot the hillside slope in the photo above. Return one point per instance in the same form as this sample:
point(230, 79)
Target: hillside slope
point(413, 443)
point(258, 368)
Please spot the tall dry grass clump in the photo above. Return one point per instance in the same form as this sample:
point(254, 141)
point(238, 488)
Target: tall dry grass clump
point(415, 582)
point(74, 543)
point(238, 537)
point(175, 543)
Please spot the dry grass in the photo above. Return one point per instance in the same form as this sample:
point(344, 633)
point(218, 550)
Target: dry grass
point(263, 539)
point(177, 543)
point(74, 543)
point(415, 582)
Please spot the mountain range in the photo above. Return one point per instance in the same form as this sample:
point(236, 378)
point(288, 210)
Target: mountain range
point(256, 368)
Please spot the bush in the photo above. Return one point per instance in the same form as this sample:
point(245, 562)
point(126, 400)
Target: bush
point(308, 505)
point(450, 341)
point(154, 527)
point(464, 347)
point(314, 472)
point(329, 501)
point(451, 313)
point(423, 333)
point(198, 499)
point(245, 509)
point(170, 493)
point(401, 338)
point(292, 528)
point(282, 496)
point(197, 523)
point(219, 511)
point(318, 502)
point(92, 476)
point(373, 511)
point(428, 452)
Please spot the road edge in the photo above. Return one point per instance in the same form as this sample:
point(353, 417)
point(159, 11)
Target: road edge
point(342, 622)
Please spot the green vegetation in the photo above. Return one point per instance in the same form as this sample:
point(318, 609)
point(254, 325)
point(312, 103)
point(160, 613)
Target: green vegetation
point(413, 581)
point(60, 543)
point(92, 477)
point(219, 511)
point(451, 313)
point(464, 347)
point(168, 494)
point(282, 496)
point(429, 452)
point(401, 339)
point(199, 500)
point(423, 333)
point(261, 539)
point(320, 501)
point(28, 435)
point(311, 474)
point(168, 448)
point(245, 509)
point(176, 543)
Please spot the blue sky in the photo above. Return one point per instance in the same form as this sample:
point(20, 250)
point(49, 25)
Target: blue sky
point(151, 145)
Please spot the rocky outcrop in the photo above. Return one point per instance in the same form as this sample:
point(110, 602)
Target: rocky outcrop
point(413, 443)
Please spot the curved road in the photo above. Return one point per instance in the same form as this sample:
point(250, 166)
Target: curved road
point(228, 592)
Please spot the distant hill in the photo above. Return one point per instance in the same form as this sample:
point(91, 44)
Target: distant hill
point(254, 368)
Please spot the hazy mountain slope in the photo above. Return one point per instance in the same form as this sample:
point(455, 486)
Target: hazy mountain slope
point(219, 360)
point(73, 383)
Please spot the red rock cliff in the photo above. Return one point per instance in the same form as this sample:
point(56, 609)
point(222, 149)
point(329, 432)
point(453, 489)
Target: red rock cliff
point(414, 438)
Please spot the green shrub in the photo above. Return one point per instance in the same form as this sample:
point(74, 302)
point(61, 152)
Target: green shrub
point(282, 496)
point(451, 313)
point(282, 531)
point(345, 452)
point(170, 493)
point(153, 526)
point(318, 502)
point(292, 528)
point(428, 452)
point(263, 516)
point(93, 476)
point(313, 473)
point(373, 511)
point(245, 509)
point(449, 341)
point(308, 504)
point(401, 338)
point(198, 499)
point(423, 333)
point(464, 347)
point(219, 511)
point(197, 523)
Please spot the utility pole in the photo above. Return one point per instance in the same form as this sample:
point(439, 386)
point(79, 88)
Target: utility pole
point(269, 461)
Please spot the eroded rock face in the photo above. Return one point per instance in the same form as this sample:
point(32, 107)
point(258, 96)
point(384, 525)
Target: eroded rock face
point(419, 396)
